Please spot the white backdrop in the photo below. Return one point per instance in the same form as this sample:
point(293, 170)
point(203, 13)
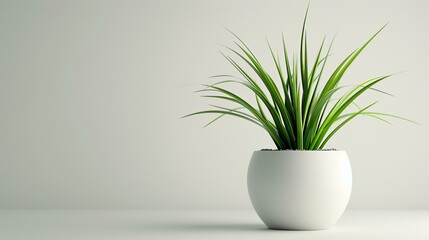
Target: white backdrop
point(91, 94)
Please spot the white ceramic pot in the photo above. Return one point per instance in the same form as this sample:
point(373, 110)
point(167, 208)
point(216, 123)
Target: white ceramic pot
point(299, 190)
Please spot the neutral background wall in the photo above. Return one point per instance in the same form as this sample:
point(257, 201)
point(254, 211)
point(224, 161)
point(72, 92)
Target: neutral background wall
point(91, 93)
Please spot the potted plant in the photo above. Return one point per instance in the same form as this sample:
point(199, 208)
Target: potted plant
point(300, 185)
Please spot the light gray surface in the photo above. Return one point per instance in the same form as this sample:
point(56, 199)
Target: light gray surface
point(201, 224)
point(91, 93)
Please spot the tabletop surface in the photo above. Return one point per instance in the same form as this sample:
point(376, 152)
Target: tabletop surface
point(201, 224)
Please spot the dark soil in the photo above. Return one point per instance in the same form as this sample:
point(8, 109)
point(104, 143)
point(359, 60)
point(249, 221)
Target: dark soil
point(267, 149)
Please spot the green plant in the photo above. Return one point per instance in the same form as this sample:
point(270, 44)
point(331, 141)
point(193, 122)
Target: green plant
point(301, 113)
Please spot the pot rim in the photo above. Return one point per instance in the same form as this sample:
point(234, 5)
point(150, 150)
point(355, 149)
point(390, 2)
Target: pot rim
point(299, 151)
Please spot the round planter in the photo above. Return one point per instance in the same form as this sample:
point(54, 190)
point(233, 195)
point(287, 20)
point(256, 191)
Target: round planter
point(299, 190)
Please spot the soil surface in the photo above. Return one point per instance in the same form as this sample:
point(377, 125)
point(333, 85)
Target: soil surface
point(327, 149)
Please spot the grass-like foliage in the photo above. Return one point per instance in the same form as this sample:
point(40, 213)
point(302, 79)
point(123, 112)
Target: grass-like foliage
point(299, 110)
